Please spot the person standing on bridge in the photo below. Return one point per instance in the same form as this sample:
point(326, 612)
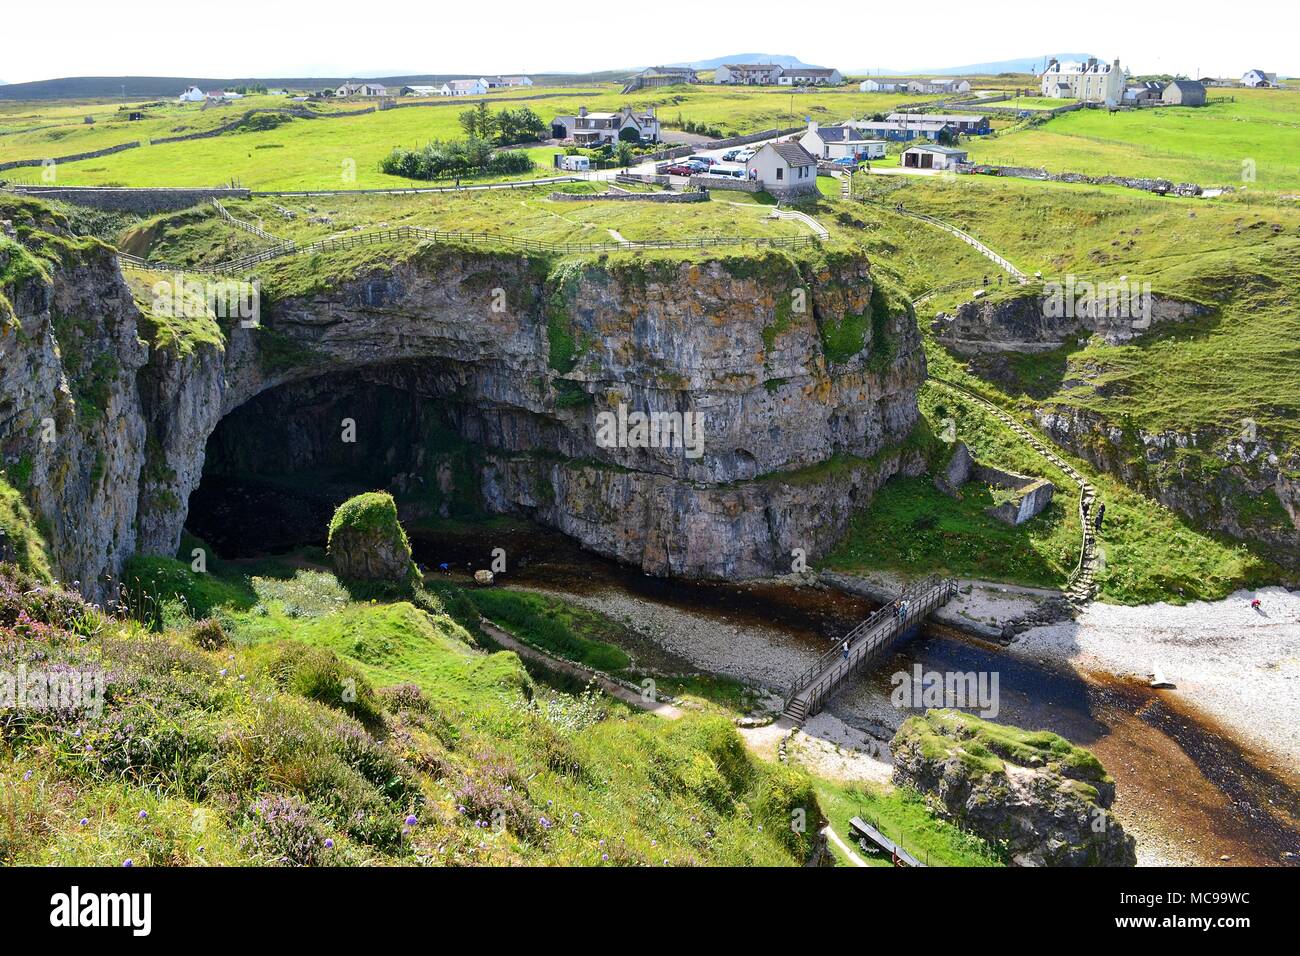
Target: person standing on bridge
point(846, 650)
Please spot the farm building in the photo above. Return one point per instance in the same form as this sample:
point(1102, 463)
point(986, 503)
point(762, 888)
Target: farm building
point(362, 89)
point(839, 142)
point(463, 88)
point(932, 157)
point(1258, 78)
point(809, 76)
point(654, 76)
point(505, 82)
point(420, 90)
point(972, 124)
point(1091, 81)
point(1135, 94)
point(879, 86)
point(192, 94)
point(1184, 93)
point(784, 168)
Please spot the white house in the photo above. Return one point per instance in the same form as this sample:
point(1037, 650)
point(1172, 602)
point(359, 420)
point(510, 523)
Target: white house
point(598, 129)
point(1258, 78)
point(495, 82)
point(939, 84)
point(932, 157)
point(809, 76)
point(192, 94)
point(421, 90)
point(362, 89)
point(1091, 81)
point(748, 74)
point(463, 88)
point(839, 142)
point(784, 168)
point(878, 86)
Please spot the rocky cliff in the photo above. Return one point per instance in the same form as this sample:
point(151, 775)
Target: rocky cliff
point(1045, 800)
point(797, 376)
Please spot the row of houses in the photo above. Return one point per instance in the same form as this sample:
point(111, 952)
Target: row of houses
point(476, 86)
point(774, 74)
point(936, 85)
point(866, 139)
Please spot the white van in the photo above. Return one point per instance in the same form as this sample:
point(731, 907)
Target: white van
point(726, 169)
point(576, 164)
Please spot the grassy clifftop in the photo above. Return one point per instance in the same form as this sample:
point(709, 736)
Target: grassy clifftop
point(307, 729)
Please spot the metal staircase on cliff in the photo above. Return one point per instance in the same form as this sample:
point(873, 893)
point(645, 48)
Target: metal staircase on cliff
point(1081, 586)
point(866, 643)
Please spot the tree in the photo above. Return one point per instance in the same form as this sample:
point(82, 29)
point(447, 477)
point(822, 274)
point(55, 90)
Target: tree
point(469, 122)
point(623, 153)
point(486, 122)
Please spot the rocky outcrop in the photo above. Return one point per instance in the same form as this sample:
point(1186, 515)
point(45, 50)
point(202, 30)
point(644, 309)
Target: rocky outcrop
point(1039, 319)
point(1045, 800)
point(797, 377)
point(1233, 483)
point(367, 542)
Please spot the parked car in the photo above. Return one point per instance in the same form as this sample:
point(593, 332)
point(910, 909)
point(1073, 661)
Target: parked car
point(731, 155)
point(847, 161)
point(698, 165)
point(680, 169)
point(734, 172)
point(745, 155)
point(706, 160)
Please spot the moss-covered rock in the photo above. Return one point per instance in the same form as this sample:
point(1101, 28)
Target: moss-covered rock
point(1035, 792)
point(367, 542)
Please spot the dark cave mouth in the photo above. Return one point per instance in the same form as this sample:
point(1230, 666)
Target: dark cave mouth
point(276, 467)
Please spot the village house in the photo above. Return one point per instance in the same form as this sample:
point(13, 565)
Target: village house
point(1258, 79)
point(971, 124)
point(192, 94)
point(839, 142)
point(655, 76)
point(748, 74)
point(784, 169)
point(1184, 93)
point(933, 157)
point(939, 84)
point(809, 76)
point(598, 129)
point(904, 131)
point(879, 86)
point(463, 88)
point(1091, 81)
point(421, 90)
point(362, 89)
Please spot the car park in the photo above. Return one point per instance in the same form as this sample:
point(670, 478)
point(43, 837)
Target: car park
point(680, 169)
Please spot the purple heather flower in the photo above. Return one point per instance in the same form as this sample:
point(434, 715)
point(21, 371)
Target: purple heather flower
point(329, 843)
point(411, 820)
point(144, 814)
point(128, 862)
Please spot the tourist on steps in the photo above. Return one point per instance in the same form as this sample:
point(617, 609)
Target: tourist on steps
point(1101, 513)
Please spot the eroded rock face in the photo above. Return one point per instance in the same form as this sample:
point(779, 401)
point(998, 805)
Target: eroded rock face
point(1045, 799)
point(526, 358)
point(1034, 322)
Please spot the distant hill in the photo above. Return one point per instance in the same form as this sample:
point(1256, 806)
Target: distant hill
point(1030, 64)
point(156, 87)
point(717, 61)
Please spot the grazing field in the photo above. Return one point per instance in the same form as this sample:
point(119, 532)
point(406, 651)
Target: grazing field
point(1212, 145)
point(344, 152)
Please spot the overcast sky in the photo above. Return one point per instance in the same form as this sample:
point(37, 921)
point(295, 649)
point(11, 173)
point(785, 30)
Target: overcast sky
point(323, 38)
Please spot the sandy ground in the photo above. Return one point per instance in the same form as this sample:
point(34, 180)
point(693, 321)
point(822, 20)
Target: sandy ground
point(1237, 665)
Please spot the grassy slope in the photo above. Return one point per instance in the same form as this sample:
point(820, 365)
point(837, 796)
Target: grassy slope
point(572, 780)
point(1206, 145)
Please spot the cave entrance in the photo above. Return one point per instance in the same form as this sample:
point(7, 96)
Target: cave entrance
point(277, 466)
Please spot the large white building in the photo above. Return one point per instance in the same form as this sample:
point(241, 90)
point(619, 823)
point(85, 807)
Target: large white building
point(1091, 81)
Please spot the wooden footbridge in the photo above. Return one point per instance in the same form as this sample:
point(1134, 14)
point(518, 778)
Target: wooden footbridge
point(866, 643)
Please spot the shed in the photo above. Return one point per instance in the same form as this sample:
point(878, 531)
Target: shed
point(933, 157)
point(1184, 93)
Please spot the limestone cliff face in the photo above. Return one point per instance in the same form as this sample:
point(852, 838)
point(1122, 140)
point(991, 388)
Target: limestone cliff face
point(72, 433)
point(802, 374)
point(1250, 491)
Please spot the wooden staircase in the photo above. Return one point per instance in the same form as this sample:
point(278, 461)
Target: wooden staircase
point(866, 643)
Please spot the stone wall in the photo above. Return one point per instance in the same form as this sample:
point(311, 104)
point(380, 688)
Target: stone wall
point(632, 197)
point(142, 201)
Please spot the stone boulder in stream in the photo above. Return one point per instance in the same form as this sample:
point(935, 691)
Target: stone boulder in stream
point(367, 542)
point(1046, 800)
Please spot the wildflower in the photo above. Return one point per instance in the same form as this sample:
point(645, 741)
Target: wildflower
point(27, 776)
point(329, 843)
point(144, 814)
point(411, 820)
point(128, 862)
point(604, 856)
point(85, 822)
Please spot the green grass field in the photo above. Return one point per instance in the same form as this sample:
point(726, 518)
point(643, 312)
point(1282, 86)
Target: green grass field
point(1257, 133)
